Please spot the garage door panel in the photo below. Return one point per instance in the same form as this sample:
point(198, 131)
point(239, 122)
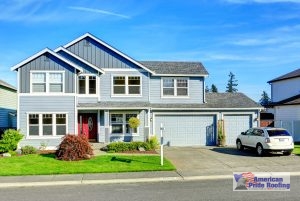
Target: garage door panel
point(187, 130)
point(234, 125)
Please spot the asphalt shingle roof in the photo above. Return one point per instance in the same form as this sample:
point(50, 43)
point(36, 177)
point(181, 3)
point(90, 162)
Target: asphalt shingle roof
point(214, 101)
point(5, 84)
point(295, 100)
point(293, 74)
point(168, 67)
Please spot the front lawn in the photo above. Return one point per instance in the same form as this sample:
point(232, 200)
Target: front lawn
point(297, 148)
point(46, 164)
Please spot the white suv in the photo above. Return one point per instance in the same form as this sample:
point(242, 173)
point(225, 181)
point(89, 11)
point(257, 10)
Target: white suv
point(266, 140)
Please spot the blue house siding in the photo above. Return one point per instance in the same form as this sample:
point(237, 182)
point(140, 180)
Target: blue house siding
point(106, 86)
point(195, 91)
point(40, 104)
point(99, 55)
point(46, 62)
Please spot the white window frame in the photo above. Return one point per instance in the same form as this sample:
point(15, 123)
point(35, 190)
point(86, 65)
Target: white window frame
point(87, 85)
point(40, 125)
point(175, 87)
point(124, 123)
point(126, 86)
point(47, 74)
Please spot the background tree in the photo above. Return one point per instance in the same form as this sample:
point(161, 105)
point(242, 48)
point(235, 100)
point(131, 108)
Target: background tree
point(214, 89)
point(265, 99)
point(232, 83)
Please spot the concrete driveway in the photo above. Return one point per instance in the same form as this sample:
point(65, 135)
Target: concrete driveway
point(205, 161)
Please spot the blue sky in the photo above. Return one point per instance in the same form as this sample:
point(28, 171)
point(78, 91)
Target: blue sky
point(257, 40)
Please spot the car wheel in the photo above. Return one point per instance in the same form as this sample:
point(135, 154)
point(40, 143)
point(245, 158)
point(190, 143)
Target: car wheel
point(239, 145)
point(287, 153)
point(259, 150)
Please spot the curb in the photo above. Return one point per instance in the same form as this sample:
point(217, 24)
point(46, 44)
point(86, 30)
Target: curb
point(120, 181)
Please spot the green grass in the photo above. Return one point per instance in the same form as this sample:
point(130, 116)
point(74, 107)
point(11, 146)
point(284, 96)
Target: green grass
point(47, 164)
point(297, 148)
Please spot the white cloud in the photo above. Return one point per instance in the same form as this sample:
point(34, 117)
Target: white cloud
point(98, 11)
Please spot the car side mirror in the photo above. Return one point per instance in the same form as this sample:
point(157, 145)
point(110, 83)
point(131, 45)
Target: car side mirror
point(243, 133)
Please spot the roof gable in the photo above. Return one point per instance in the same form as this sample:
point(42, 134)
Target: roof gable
point(102, 43)
point(293, 74)
point(44, 51)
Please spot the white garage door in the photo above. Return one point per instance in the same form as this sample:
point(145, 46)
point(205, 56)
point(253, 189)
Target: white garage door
point(186, 130)
point(234, 125)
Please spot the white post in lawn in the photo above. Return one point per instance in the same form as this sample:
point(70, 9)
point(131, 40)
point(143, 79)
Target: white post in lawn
point(161, 145)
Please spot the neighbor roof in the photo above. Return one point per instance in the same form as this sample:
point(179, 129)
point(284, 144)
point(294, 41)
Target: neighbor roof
point(175, 68)
point(5, 84)
point(293, 74)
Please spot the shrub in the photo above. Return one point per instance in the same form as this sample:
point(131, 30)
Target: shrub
point(127, 146)
point(74, 148)
point(10, 140)
point(28, 150)
point(153, 142)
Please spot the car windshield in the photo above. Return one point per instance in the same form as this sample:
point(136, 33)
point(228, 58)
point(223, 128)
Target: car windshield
point(278, 132)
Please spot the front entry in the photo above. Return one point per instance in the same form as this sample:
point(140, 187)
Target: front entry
point(87, 125)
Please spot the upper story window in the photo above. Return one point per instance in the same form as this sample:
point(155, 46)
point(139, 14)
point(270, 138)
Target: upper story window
point(87, 84)
point(126, 85)
point(47, 82)
point(175, 87)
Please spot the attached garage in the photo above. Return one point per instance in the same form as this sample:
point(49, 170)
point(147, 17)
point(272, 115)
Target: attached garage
point(187, 130)
point(234, 125)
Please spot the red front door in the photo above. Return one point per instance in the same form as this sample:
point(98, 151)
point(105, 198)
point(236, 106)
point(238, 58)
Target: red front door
point(87, 125)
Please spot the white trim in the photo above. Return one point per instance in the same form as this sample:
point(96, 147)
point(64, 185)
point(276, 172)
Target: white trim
point(47, 82)
point(18, 99)
point(175, 87)
point(126, 95)
point(123, 70)
point(87, 94)
point(46, 50)
point(107, 46)
point(112, 108)
point(98, 126)
point(80, 59)
point(75, 105)
point(211, 109)
point(47, 94)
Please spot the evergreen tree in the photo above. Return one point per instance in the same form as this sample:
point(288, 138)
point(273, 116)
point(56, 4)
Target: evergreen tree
point(214, 89)
point(265, 99)
point(232, 83)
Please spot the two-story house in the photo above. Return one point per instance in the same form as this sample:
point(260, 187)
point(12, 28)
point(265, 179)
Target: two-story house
point(8, 106)
point(285, 96)
point(89, 87)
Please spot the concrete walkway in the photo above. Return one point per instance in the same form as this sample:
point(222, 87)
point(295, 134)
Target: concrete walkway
point(193, 163)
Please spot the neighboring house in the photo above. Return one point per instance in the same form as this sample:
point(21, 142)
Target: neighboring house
point(89, 87)
point(8, 106)
point(285, 96)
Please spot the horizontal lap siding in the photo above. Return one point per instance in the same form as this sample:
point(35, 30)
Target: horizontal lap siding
point(46, 62)
point(47, 104)
point(195, 91)
point(8, 103)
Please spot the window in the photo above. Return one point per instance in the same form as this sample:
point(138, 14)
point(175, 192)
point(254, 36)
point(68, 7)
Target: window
point(48, 82)
point(119, 124)
point(34, 124)
point(175, 87)
point(126, 85)
point(87, 84)
point(47, 124)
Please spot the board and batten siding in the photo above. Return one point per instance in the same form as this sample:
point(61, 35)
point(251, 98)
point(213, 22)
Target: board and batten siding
point(46, 62)
point(8, 103)
point(106, 87)
point(195, 91)
point(99, 55)
point(50, 104)
point(284, 89)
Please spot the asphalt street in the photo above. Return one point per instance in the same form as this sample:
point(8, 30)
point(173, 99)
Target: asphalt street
point(220, 189)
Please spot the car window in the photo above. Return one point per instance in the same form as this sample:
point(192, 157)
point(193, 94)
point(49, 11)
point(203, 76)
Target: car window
point(249, 132)
point(278, 132)
point(259, 132)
